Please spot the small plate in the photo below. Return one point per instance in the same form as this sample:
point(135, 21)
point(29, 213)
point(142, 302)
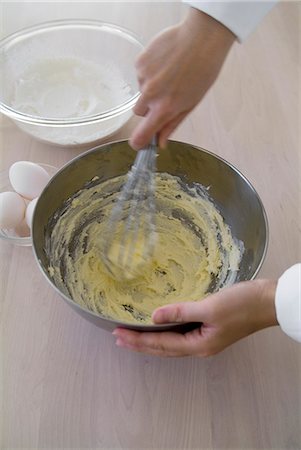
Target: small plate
point(20, 235)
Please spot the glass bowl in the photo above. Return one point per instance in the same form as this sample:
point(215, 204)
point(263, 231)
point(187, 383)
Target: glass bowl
point(20, 236)
point(69, 82)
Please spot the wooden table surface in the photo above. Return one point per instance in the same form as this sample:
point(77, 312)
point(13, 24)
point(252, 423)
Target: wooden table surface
point(64, 383)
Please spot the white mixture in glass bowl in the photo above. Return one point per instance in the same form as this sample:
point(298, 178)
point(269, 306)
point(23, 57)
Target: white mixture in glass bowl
point(70, 88)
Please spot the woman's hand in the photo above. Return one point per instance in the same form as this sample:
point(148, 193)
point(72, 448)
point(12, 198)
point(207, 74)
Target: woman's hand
point(175, 71)
point(226, 316)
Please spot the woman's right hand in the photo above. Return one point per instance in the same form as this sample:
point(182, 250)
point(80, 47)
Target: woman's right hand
point(175, 71)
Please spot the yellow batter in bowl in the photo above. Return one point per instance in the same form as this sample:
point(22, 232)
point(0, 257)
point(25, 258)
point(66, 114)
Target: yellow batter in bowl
point(195, 251)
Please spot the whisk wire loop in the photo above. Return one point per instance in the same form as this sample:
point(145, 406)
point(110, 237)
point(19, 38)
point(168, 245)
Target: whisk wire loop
point(135, 213)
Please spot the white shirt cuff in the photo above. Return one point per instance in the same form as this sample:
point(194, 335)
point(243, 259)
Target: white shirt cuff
point(240, 17)
point(288, 302)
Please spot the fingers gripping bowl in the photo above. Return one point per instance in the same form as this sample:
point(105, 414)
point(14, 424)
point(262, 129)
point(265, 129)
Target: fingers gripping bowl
point(62, 256)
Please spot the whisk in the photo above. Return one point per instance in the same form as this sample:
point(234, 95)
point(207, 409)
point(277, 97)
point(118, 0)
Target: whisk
point(131, 235)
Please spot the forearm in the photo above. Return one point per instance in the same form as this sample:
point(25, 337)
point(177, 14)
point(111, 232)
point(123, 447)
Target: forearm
point(266, 311)
point(209, 38)
point(199, 24)
point(279, 303)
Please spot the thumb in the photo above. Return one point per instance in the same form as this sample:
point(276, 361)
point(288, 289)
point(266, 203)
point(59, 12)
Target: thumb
point(180, 312)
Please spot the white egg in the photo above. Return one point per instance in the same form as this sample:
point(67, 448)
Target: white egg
point(28, 179)
point(29, 211)
point(12, 209)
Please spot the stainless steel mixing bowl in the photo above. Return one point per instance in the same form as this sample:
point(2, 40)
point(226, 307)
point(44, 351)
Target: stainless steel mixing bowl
point(234, 196)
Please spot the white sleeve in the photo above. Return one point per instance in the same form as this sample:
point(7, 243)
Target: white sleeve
point(288, 302)
point(240, 17)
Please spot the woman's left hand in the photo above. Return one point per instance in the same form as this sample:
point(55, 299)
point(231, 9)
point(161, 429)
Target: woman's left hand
point(225, 317)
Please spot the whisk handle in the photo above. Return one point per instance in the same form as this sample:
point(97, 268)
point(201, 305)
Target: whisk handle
point(146, 157)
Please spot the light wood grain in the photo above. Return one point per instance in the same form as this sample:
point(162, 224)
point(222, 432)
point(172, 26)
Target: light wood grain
point(64, 384)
